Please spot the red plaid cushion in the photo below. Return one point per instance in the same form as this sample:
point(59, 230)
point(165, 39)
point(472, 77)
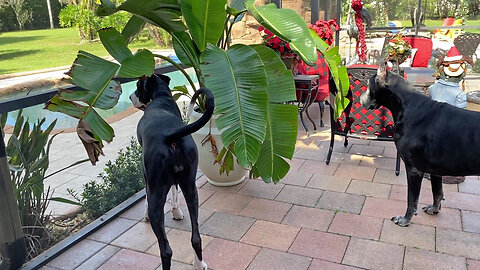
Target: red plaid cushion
point(320, 68)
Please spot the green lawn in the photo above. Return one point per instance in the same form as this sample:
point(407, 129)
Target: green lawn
point(407, 23)
point(39, 49)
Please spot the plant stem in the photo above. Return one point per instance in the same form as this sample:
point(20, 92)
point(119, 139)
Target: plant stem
point(166, 58)
point(224, 36)
point(227, 41)
point(192, 60)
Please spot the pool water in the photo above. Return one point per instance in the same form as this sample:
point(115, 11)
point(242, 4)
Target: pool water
point(38, 112)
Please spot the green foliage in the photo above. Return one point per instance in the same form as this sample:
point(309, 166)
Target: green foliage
point(40, 18)
point(27, 155)
point(122, 179)
point(33, 14)
point(27, 152)
point(239, 76)
point(8, 21)
point(87, 22)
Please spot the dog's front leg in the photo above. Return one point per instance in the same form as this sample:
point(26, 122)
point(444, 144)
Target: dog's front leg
point(176, 212)
point(414, 181)
point(437, 191)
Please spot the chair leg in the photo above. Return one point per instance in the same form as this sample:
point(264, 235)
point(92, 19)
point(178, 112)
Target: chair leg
point(303, 122)
point(346, 141)
point(310, 118)
point(330, 149)
point(397, 165)
point(321, 106)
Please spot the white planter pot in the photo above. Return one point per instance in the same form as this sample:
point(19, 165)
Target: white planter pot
point(206, 158)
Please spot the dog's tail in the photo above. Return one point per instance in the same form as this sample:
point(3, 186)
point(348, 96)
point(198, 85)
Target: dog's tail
point(192, 127)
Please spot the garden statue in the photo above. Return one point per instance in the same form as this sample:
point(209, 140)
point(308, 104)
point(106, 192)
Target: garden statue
point(452, 70)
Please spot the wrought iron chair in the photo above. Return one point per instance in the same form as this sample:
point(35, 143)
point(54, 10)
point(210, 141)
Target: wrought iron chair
point(467, 43)
point(356, 121)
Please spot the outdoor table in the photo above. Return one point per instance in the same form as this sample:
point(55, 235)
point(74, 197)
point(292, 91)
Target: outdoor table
point(308, 84)
point(421, 78)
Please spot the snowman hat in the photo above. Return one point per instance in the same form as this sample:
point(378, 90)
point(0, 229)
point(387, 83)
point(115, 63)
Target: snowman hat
point(454, 55)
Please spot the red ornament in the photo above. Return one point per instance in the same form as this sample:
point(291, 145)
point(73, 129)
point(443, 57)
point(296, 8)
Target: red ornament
point(361, 45)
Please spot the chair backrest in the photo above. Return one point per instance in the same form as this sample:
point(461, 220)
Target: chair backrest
point(424, 48)
point(457, 22)
point(448, 21)
point(394, 24)
point(467, 43)
point(355, 120)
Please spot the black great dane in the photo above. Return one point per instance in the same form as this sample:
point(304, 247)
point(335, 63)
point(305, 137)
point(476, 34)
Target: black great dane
point(431, 137)
point(169, 158)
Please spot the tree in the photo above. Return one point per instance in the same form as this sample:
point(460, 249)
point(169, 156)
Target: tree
point(22, 13)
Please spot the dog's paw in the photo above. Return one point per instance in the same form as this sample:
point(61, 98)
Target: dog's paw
point(177, 214)
point(431, 209)
point(401, 221)
point(199, 265)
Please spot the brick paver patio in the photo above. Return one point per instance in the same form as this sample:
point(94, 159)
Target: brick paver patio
point(320, 216)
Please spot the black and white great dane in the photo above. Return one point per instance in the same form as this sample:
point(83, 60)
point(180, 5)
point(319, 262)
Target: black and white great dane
point(169, 158)
point(431, 137)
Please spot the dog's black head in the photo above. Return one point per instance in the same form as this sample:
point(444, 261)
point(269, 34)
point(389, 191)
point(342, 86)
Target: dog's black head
point(379, 90)
point(148, 88)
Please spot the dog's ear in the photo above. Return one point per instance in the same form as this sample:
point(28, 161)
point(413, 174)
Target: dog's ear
point(440, 60)
point(382, 74)
point(164, 78)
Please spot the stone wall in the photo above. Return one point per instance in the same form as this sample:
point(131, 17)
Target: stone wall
point(246, 31)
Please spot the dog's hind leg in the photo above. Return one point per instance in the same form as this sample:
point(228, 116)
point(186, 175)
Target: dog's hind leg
point(414, 181)
point(146, 219)
point(191, 197)
point(156, 203)
point(437, 191)
point(176, 212)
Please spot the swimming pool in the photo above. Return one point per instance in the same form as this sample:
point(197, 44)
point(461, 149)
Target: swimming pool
point(38, 112)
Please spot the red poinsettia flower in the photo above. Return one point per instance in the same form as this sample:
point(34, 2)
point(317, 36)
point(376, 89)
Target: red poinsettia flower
point(325, 29)
point(275, 42)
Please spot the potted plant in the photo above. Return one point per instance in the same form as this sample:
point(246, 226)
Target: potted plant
point(250, 83)
point(398, 50)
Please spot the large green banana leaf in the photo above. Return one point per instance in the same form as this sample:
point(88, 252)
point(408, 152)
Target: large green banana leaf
point(337, 70)
point(162, 13)
point(205, 19)
point(185, 49)
point(95, 74)
point(132, 28)
point(287, 25)
point(282, 119)
point(237, 79)
point(236, 8)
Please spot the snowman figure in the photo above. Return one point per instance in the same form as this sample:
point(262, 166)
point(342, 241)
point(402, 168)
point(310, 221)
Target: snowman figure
point(452, 69)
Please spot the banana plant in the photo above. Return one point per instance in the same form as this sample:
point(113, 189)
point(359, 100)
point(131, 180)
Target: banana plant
point(250, 83)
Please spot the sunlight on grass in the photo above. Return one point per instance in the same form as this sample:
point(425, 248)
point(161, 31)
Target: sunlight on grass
point(432, 23)
point(39, 49)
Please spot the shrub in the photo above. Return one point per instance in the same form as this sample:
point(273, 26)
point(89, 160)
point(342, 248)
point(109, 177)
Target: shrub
point(27, 155)
point(122, 179)
point(87, 22)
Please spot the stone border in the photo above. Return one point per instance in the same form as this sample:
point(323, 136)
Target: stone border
point(474, 96)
